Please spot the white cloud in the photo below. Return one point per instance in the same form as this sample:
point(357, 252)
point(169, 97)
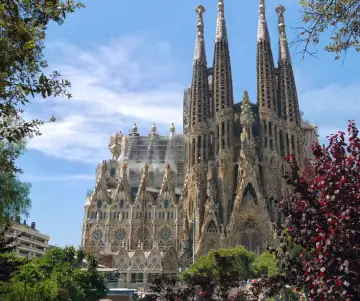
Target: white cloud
point(129, 80)
point(331, 107)
point(59, 178)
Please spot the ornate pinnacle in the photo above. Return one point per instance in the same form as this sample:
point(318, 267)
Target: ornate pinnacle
point(221, 6)
point(200, 55)
point(220, 24)
point(283, 48)
point(200, 25)
point(246, 116)
point(263, 32)
point(262, 7)
point(281, 23)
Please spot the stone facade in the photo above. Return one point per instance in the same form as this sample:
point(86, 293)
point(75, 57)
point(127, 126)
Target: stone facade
point(161, 197)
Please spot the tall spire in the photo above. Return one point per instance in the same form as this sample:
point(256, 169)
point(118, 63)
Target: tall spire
point(221, 33)
point(289, 105)
point(263, 31)
point(284, 54)
point(222, 91)
point(200, 55)
point(266, 78)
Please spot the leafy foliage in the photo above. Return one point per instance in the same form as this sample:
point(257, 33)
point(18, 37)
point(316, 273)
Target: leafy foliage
point(14, 194)
point(9, 263)
point(340, 18)
point(266, 265)
point(220, 270)
point(323, 214)
point(60, 275)
point(23, 30)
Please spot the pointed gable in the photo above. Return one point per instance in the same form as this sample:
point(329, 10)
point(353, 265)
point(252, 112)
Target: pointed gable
point(123, 191)
point(143, 195)
point(167, 197)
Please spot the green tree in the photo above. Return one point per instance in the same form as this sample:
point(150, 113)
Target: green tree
point(9, 262)
point(14, 193)
point(58, 276)
point(339, 19)
point(23, 26)
point(219, 271)
point(266, 265)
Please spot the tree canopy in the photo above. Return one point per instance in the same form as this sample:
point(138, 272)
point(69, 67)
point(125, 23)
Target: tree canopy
point(323, 214)
point(14, 193)
point(60, 275)
point(339, 19)
point(23, 26)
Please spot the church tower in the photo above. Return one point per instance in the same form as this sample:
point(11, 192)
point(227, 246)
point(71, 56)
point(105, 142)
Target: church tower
point(222, 90)
point(268, 108)
point(288, 99)
point(199, 138)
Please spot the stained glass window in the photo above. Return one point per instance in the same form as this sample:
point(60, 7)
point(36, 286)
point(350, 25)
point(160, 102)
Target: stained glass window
point(112, 172)
point(99, 203)
point(166, 204)
point(120, 234)
point(97, 234)
point(122, 203)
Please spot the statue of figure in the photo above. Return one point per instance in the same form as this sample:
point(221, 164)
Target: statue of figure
point(122, 243)
point(115, 145)
point(139, 244)
point(120, 216)
point(97, 216)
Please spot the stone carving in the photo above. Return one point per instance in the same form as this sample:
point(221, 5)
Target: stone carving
point(115, 145)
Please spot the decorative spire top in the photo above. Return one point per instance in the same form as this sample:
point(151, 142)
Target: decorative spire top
point(246, 116)
point(221, 33)
point(281, 23)
point(124, 165)
point(153, 129)
point(172, 129)
point(134, 130)
point(146, 167)
point(263, 32)
point(284, 54)
point(200, 55)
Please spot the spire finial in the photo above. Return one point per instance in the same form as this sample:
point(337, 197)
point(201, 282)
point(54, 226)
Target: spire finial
point(200, 25)
point(221, 33)
point(200, 55)
point(263, 32)
point(281, 23)
point(284, 54)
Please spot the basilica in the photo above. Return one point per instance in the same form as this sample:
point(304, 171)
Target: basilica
point(163, 200)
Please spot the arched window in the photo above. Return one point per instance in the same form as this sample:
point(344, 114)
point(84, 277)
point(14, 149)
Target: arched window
point(99, 204)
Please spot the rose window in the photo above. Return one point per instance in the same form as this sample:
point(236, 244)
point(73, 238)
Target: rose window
point(143, 235)
point(165, 234)
point(120, 234)
point(97, 234)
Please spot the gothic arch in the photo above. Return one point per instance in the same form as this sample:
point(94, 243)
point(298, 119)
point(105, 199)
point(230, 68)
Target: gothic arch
point(154, 261)
point(138, 261)
point(142, 236)
point(170, 261)
point(97, 238)
point(122, 260)
point(118, 237)
point(249, 195)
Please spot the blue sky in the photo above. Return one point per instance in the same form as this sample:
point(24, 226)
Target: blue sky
point(129, 61)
